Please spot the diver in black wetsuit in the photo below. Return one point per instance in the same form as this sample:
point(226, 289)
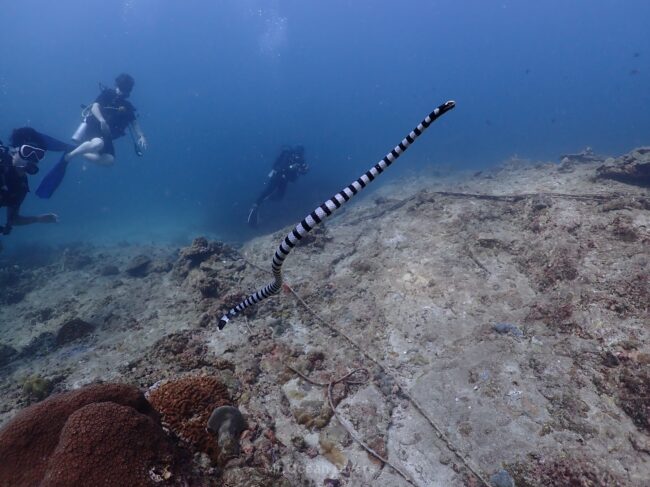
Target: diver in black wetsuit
point(108, 118)
point(287, 167)
point(27, 149)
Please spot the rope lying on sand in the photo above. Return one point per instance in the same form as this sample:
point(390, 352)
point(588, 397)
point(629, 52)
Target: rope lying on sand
point(312, 220)
point(346, 379)
point(385, 369)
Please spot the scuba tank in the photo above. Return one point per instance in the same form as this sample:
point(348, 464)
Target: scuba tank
point(80, 134)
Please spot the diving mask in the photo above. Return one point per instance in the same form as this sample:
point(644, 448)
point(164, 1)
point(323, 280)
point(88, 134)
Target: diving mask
point(28, 159)
point(31, 153)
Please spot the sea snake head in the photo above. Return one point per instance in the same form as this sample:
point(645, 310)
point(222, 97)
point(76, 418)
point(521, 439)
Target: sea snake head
point(446, 106)
point(223, 322)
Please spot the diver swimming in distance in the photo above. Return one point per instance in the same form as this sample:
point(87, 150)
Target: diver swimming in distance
point(288, 166)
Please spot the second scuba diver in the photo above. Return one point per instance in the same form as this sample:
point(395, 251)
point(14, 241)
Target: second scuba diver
point(287, 167)
point(108, 118)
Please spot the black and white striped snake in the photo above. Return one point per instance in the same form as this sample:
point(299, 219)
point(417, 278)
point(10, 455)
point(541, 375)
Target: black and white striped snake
point(326, 209)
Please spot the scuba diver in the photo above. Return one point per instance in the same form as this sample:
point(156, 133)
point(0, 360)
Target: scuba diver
point(21, 158)
point(107, 119)
point(287, 167)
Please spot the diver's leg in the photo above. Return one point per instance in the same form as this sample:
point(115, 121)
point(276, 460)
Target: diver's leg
point(252, 213)
point(270, 187)
point(280, 189)
point(100, 159)
point(268, 190)
point(92, 150)
point(92, 146)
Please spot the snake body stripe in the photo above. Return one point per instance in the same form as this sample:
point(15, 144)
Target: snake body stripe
point(325, 210)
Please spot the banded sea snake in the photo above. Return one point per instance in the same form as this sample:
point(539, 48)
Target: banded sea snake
point(327, 209)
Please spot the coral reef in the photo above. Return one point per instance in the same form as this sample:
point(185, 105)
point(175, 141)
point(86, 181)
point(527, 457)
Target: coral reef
point(72, 330)
point(105, 434)
point(631, 168)
point(200, 251)
point(512, 305)
point(186, 404)
point(107, 444)
point(182, 348)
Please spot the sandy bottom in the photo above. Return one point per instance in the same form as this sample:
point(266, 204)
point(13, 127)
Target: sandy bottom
point(502, 318)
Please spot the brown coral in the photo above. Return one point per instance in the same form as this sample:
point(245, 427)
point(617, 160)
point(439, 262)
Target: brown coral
point(108, 444)
point(53, 440)
point(186, 405)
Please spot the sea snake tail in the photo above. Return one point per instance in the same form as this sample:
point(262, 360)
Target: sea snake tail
point(312, 220)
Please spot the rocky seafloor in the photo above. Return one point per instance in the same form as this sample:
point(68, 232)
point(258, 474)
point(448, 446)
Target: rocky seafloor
point(498, 324)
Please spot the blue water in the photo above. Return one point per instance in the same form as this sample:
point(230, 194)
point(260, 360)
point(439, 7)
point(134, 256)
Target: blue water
point(222, 85)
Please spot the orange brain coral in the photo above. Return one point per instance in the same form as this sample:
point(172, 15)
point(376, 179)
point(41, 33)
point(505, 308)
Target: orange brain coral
point(186, 404)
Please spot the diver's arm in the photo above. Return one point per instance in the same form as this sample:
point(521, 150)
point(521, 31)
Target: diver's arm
point(266, 192)
point(140, 138)
point(96, 110)
point(15, 218)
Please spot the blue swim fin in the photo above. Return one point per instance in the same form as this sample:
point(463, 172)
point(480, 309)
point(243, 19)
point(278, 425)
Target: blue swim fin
point(52, 179)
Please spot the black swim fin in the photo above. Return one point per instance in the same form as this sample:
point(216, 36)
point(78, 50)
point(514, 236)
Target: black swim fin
point(55, 145)
point(252, 216)
point(52, 179)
